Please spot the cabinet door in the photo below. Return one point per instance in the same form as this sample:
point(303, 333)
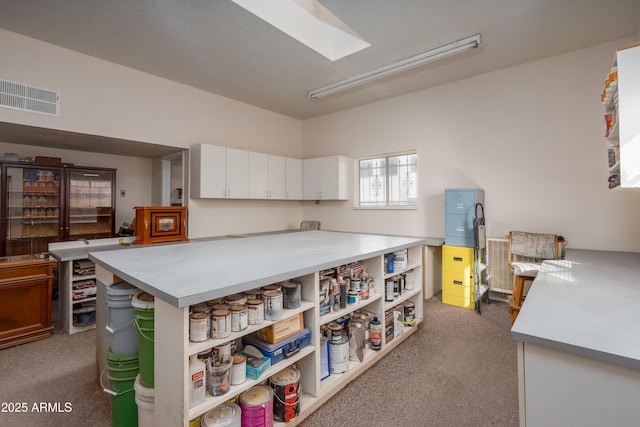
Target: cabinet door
point(293, 178)
point(91, 208)
point(312, 179)
point(277, 177)
point(32, 209)
point(237, 174)
point(208, 171)
point(258, 176)
point(333, 178)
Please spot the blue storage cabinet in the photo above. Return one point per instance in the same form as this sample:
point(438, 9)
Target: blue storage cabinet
point(459, 214)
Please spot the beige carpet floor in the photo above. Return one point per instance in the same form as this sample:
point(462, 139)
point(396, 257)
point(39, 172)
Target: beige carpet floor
point(459, 369)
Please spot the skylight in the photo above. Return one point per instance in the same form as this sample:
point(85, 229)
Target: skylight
point(310, 23)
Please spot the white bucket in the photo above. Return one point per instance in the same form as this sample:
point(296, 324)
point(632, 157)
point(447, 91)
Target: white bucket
point(145, 402)
point(121, 317)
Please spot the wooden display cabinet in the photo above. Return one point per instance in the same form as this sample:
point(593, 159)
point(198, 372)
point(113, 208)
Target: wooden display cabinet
point(42, 204)
point(25, 299)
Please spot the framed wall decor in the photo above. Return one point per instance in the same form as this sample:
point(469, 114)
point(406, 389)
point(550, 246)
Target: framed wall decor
point(155, 224)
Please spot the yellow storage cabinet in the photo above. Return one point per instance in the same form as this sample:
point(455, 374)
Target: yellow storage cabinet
point(457, 276)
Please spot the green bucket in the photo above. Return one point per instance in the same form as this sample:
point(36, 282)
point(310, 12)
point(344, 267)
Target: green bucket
point(144, 321)
point(124, 410)
point(122, 366)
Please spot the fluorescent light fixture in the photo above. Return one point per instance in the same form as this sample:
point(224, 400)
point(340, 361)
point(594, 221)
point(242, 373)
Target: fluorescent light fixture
point(310, 23)
point(398, 66)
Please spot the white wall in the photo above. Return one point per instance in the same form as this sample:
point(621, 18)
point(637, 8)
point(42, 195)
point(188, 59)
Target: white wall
point(530, 136)
point(105, 99)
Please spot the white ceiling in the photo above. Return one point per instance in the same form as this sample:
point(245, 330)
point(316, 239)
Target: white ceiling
point(217, 46)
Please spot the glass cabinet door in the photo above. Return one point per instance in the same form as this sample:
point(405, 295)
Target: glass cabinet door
point(91, 210)
point(32, 209)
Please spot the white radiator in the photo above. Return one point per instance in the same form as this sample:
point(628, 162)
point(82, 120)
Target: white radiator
point(499, 277)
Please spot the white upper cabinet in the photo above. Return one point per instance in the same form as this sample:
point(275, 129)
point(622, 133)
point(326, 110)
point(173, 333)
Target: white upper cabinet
point(293, 178)
point(219, 172)
point(325, 178)
point(266, 176)
point(228, 173)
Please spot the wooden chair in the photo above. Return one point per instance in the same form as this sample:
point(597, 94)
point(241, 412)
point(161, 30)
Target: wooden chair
point(526, 253)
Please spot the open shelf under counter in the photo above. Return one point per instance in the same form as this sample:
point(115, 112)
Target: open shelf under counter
point(401, 298)
point(197, 347)
point(335, 382)
point(409, 268)
point(350, 308)
point(235, 390)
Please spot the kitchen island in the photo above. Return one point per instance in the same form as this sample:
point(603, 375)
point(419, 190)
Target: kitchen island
point(189, 273)
point(578, 337)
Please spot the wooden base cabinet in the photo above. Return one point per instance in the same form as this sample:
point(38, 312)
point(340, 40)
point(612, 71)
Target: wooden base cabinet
point(173, 347)
point(25, 299)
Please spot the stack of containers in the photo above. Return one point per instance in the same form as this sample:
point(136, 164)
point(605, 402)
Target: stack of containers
point(143, 304)
point(122, 357)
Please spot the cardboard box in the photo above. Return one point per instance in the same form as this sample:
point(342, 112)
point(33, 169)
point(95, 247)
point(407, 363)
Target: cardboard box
point(282, 330)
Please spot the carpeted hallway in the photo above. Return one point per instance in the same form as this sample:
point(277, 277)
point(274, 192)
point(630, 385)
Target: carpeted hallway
point(459, 369)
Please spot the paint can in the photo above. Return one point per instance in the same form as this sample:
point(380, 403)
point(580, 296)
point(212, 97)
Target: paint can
point(225, 349)
point(239, 369)
point(372, 287)
point(255, 308)
point(339, 355)
point(254, 293)
point(335, 331)
point(364, 290)
point(388, 290)
point(375, 334)
point(225, 415)
point(201, 308)
point(273, 287)
point(257, 406)
point(220, 306)
point(291, 295)
point(286, 391)
point(353, 297)
point(220, 324)
point(236, 299)
point(199, 327)
point(355, 284)
point(239, 318)
point(272, 305)
point(409, 312)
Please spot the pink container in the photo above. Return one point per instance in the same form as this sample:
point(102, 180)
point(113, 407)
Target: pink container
point(257, 407)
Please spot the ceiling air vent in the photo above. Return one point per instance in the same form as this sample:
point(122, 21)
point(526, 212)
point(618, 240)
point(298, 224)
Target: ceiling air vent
point(18, 96)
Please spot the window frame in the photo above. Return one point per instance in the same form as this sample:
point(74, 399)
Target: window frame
point(386, 155)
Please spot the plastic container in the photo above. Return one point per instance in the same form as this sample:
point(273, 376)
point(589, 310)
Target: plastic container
point(121, 317)
point(144, 323)
point(281, 350)
point(145, 402)
point(122, 373)
point(219, 382)
point(197, 381)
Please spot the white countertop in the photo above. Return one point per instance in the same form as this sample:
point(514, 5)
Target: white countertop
point(587, 305)
point(194, 272)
